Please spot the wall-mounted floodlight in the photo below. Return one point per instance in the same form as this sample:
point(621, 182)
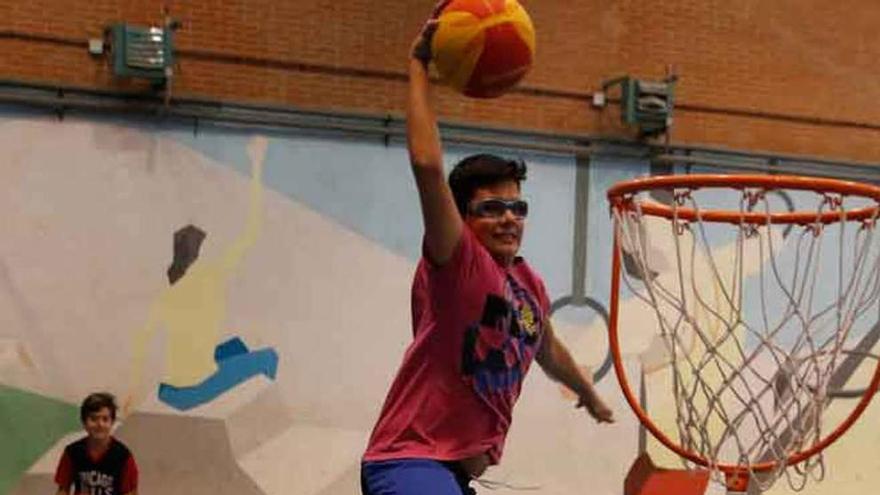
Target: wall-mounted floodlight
point(645, 104)
point(142, 51)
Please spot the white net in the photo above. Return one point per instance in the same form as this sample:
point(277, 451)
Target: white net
point(759, 322)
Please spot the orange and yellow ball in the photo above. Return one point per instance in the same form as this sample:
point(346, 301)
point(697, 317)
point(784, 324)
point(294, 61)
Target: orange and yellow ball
point(482, 48)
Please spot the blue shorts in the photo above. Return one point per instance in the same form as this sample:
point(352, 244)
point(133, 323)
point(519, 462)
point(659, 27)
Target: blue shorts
point(414, 477)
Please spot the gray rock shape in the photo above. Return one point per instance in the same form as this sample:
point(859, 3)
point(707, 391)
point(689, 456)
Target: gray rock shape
point(34, 484)
point(184, 455)
point(348, 483)
point(258, 421)
point(635, 269)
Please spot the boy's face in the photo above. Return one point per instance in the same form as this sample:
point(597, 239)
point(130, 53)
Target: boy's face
point(500, 234)
point(98, 424)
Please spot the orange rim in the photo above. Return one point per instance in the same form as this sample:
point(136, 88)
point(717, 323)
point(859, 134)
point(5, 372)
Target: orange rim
point(621, 196)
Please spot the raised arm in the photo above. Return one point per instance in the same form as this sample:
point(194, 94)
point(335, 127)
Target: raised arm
point(234, 254)
point(443, 224)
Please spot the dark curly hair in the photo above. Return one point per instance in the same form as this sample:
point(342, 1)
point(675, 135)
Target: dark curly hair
point(482, 170)
point(95, 402)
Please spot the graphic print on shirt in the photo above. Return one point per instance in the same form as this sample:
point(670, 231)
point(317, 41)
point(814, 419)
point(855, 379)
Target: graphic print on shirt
point(498, 349)
point(95, 483)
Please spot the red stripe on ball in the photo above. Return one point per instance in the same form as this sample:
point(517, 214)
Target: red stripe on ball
point(506, 59)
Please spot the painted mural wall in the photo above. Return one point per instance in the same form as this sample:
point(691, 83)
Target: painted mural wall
point(246, 297)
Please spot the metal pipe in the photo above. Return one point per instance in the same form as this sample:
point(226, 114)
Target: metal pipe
point(54, 39)
point(187, 111)
point(62, 100)
point(781, 117)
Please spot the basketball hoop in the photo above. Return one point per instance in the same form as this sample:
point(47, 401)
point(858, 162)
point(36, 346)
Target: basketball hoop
point(749, 400)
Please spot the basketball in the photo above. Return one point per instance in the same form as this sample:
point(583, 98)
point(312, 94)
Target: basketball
point(482, 48)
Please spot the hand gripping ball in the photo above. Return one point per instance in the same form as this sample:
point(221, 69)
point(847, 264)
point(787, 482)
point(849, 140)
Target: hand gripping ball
point(482, 48)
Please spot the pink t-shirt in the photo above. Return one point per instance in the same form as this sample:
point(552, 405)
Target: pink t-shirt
point(476, 328)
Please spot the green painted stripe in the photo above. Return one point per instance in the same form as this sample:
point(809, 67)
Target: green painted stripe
point(30, 425)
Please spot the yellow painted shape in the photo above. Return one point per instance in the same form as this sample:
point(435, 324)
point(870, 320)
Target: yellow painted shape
point(192, 310)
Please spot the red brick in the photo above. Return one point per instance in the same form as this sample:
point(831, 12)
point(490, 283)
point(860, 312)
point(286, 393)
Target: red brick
point(801, 58)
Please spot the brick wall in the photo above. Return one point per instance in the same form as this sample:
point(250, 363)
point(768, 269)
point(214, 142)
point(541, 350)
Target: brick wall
point(789, 76)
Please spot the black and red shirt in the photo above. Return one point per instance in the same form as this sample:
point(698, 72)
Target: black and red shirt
point(111, 471)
